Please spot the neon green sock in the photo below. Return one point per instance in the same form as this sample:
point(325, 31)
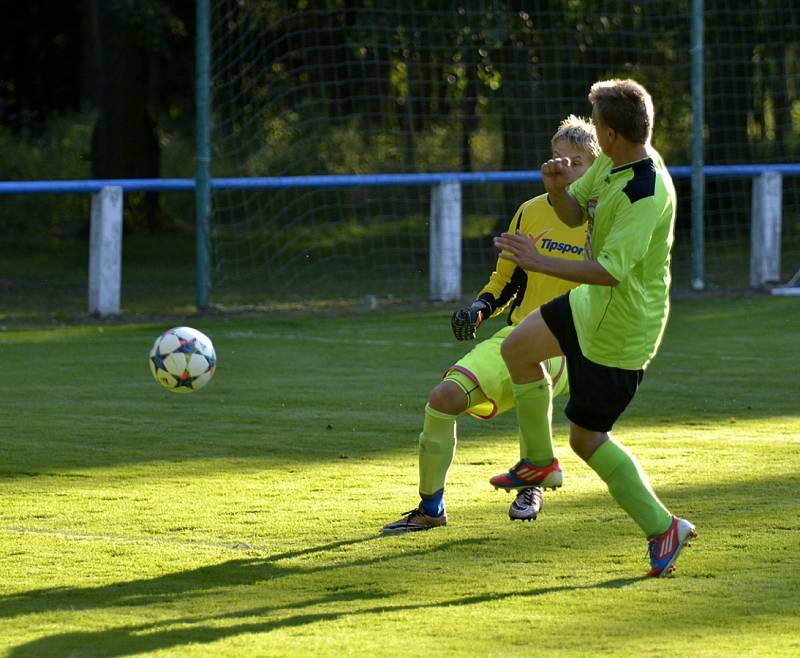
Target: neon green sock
point(628, 484)
point(534, 405)
point(437, 447)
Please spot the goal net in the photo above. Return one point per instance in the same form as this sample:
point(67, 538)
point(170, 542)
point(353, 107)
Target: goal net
point(359, 87)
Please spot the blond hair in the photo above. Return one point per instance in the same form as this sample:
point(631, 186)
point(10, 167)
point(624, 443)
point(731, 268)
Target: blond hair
point(625, 106)
point(578, 132)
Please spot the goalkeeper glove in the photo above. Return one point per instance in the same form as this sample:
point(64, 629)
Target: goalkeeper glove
point(466, 320)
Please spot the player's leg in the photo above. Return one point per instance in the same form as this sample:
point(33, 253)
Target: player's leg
point(523, 351)
point(628, 485)
point(527, 346)
point(437, 446)
point(437, 441)
point(622, 473)
point(478, 383)
point(485, 365)
point(600, 395)
point(529, 501)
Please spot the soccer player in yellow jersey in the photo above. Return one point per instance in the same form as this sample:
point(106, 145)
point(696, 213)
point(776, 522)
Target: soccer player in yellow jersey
point(480, 383)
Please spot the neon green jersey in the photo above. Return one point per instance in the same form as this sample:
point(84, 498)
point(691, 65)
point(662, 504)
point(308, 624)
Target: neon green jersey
point(631, 217)
point(526, 292)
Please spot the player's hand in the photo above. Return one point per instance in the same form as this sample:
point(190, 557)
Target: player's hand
point(519, 248)
point(555, 174)
point(466, 321)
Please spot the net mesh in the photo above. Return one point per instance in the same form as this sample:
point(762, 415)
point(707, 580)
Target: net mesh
point(357, 87)
point(751, 109)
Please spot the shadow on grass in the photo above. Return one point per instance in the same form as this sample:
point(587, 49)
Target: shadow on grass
point(195, 582)
point(396, 554)
point(144, 638)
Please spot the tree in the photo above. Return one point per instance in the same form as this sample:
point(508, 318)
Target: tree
point(130, 39)
point(41, 66)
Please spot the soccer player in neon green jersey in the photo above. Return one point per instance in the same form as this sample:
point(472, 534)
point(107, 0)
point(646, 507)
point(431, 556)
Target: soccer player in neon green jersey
point(479, 383)
point(610, 326)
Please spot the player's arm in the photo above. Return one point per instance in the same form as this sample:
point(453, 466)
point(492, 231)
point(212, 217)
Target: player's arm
point(465, 321)
point(554, 177)
point(502, 287)
point(521, 249)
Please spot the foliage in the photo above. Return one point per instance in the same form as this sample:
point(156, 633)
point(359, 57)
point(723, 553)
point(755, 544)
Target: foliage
point(59, 151)
point(363, 87)
point(416, 70)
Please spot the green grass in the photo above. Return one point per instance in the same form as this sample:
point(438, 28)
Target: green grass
point(241, 520)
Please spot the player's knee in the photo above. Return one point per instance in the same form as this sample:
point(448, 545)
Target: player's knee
point(518, 361)
point(509, 348)
point(448, 398)
point(577, 442)
point(584, 442)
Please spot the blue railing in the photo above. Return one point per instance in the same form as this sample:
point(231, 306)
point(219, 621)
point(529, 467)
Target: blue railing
point(350, 180)
point(104, 279)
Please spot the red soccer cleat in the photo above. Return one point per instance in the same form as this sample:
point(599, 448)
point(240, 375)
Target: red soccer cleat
point(665, 548)
point(525, 475)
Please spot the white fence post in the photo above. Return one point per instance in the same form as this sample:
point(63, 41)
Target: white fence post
point(105, 252)
point(445, 247)
point(765, 229)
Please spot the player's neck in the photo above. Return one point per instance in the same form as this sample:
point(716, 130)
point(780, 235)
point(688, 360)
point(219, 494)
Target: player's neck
point(624, 153)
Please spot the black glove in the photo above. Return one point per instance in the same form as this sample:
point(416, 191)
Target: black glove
point(466, 320)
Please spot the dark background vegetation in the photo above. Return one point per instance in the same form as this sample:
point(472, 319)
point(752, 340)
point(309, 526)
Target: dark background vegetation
point(105, 89)
point(94, 89)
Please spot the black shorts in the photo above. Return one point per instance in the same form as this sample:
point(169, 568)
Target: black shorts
point(597, 394)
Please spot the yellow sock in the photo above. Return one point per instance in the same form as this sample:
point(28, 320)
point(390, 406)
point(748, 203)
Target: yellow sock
point(534, 405)
point(628, 484)
point(437, 447)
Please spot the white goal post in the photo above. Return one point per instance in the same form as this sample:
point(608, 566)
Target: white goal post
point(765, 230)
point(105, 252)
point(445, 242)
point(765, 236)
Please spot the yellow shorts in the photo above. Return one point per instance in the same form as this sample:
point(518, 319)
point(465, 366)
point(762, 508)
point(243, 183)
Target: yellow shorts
point(484, 367)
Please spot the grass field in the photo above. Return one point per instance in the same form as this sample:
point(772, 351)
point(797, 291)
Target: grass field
point(242, 520)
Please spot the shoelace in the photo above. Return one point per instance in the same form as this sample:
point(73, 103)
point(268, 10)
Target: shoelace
point(527, 497)
point(524, 497)
point(410, 513)
point(516, 466)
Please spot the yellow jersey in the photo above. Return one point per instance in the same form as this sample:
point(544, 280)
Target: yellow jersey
point(510, 285)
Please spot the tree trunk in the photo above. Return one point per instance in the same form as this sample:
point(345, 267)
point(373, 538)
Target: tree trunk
point(125, 142)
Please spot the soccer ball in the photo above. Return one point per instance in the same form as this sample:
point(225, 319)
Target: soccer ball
point(183, 360)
